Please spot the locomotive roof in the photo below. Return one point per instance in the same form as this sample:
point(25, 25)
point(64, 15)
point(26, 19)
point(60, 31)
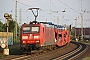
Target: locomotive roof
point(50, 23)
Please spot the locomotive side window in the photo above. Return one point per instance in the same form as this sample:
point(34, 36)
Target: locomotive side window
point(26, 29)
point(34, 29)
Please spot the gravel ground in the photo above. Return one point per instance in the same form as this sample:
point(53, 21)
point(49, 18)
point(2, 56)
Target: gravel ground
point(56, 53)
point(15, 51)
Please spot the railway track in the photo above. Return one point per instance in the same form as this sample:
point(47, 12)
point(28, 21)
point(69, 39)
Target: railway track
point(72, 55)
point(55, 54)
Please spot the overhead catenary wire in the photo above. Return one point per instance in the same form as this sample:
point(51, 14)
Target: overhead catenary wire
point(79, 2)
point(47, 13)
point(52, 3)
point(12, 11)
point(69, 7)
point(56, 9)
point(22, 3)
point(30, 6)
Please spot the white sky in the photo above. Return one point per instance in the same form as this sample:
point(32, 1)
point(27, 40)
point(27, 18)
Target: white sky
point(48, 10)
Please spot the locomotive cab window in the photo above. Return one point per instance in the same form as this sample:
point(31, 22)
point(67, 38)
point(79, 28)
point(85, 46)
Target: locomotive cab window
point(35, 29)
point(26, 29)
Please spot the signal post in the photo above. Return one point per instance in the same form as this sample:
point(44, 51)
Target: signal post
point(5, 46)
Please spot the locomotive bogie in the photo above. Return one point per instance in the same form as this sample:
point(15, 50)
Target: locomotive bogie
point(27, 48)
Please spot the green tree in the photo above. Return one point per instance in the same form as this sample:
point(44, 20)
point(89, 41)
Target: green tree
point(11, 26)
point(1, 27)
point(4, 28)
point(73, 31)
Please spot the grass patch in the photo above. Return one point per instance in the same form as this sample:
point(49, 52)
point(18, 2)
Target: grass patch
point(84, 41)
point(87, 58)
point(13, 50)
point(1, 55)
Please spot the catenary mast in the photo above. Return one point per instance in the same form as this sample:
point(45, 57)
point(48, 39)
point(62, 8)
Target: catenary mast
point(16, 20)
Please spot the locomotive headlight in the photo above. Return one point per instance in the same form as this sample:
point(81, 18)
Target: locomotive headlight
point(37, 41)
point(24, 41)
point(36, 37)
point(24, 37)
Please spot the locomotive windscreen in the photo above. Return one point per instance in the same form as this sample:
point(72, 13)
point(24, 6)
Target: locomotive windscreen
point(26, 29)
point(34, 29)
point(31, 29)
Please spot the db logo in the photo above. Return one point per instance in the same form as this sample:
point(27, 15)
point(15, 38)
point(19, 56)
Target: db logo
point(30, 36)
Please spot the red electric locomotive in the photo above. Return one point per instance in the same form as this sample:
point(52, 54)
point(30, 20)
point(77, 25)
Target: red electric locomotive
point(36, 35)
